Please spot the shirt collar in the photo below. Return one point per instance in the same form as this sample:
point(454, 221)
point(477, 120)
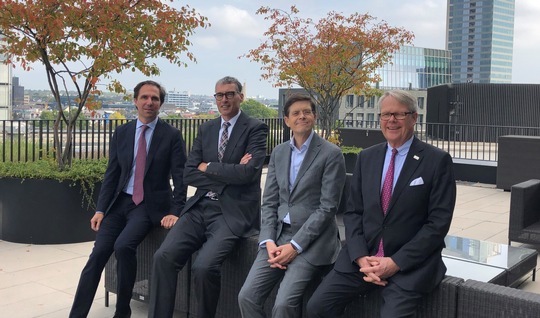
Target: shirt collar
point(233, 120)
point(403, 149)
point(305, 145)
point(151, 124)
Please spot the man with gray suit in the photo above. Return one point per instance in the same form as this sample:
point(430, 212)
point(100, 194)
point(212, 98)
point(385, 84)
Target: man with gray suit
point(299, 234)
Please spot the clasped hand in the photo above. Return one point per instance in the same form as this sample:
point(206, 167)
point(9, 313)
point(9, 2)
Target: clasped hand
point(280, 256)
point(377, 269)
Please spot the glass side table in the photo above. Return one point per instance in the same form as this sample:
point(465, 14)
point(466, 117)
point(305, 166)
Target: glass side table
point(484, 259)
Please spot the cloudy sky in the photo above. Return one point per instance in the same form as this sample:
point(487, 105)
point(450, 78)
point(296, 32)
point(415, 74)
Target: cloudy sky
point(236, 29)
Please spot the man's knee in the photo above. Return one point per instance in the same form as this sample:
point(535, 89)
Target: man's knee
point(200, 270)
point(122, 251)
point(245, 296)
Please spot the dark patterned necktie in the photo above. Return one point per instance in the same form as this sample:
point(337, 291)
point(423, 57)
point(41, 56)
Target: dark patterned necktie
point(224, 140)
point(140, 163)
point(386, 193)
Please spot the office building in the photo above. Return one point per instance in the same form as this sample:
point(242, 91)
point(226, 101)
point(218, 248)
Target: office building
point(480, 35)
point(411, 68)
point(178, 99)
point(5, 88)
point(18, 98)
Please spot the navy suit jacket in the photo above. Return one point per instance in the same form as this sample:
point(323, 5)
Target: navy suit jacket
point(417, 220)
point(165, 160)
point(238, 186)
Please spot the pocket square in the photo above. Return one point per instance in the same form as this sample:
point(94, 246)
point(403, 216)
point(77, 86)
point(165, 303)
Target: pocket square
point(416, 182)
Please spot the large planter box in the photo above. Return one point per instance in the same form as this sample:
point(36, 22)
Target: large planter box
point(37, 211)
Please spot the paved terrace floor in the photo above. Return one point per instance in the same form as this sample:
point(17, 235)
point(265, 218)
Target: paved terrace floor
point(40, 280)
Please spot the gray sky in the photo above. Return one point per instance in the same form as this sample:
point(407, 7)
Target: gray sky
point(236, 29)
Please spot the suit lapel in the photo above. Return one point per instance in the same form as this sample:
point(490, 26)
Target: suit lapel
point(129, 144)
point(283, 163)
point(157, 137)
point(413, 160)
point(213, 138)
point(311, 154)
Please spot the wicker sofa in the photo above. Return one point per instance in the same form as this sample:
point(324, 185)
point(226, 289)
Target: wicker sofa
point(524, 224)
point(453, 298)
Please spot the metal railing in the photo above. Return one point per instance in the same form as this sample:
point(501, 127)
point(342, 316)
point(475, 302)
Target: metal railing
point(31, 140)
point(461, 141)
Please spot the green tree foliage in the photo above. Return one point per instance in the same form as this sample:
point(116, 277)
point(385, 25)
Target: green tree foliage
point(258, 110)
point(82, 42)
point(47, 115)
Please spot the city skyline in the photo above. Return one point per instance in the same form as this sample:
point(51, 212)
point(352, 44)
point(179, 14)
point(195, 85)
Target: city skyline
point(236, 29)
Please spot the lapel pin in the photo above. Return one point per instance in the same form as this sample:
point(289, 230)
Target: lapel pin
point(416, 157)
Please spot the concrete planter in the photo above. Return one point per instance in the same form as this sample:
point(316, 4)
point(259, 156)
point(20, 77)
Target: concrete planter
point(41, 211)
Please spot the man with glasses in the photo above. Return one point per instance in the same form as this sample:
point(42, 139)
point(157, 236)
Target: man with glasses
point(400, 207)
point(225, 166)
point(299, 234)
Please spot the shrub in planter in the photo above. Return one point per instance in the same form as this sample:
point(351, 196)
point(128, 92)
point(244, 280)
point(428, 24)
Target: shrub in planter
point(41, 205)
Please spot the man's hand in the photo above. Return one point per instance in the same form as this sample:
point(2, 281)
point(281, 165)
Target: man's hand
point(202, 166)
point(168, 221)
point(284, 255)
point(95, 221)
point(245, 159)
point(377, 269)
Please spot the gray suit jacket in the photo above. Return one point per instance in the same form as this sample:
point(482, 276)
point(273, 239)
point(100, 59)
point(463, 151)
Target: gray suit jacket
point(311, 203)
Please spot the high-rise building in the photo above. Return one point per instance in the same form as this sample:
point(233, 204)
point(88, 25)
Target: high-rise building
point(5, 87)
point(480, 35)
point(18, 93)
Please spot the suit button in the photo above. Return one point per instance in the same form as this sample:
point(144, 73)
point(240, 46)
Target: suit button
point(290, 204)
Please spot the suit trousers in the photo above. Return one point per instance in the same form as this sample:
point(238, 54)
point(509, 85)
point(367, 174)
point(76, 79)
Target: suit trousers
point(123, 228)
point(338, 289)
point(262, 279)
point(202, 228)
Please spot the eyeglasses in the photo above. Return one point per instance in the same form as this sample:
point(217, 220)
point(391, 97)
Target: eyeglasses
point(398, 115)
point(229, 95)
point(305, 112)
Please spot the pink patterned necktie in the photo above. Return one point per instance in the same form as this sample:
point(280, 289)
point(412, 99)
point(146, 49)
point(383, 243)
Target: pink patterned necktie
point(224, 140)
point(386, 193)
point(140, 163)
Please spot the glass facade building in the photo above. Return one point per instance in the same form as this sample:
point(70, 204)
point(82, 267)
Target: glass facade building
point(416, 68)
point(411, 68)
point(480, 35)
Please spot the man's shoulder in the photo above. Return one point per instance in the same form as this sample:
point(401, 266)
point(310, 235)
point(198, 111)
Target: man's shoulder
point(126, 126)
point(251, 121)
point(429, 149)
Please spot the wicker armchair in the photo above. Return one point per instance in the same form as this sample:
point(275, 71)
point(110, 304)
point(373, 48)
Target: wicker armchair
point(524, 224)
point(141, 290)
point(483, 300)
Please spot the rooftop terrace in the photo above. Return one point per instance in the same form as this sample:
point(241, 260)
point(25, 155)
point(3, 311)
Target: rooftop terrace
point(40, 280)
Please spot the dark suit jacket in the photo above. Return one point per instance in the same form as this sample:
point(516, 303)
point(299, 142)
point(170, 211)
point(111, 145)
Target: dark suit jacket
point(166, 159)
point(312, 203)
point(417, 220)
point(238, 186)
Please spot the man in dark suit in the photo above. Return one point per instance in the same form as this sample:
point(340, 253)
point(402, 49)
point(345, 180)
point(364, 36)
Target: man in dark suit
point(299, 234)
point(399, 211)
point(131, 200)
point(225, 166)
